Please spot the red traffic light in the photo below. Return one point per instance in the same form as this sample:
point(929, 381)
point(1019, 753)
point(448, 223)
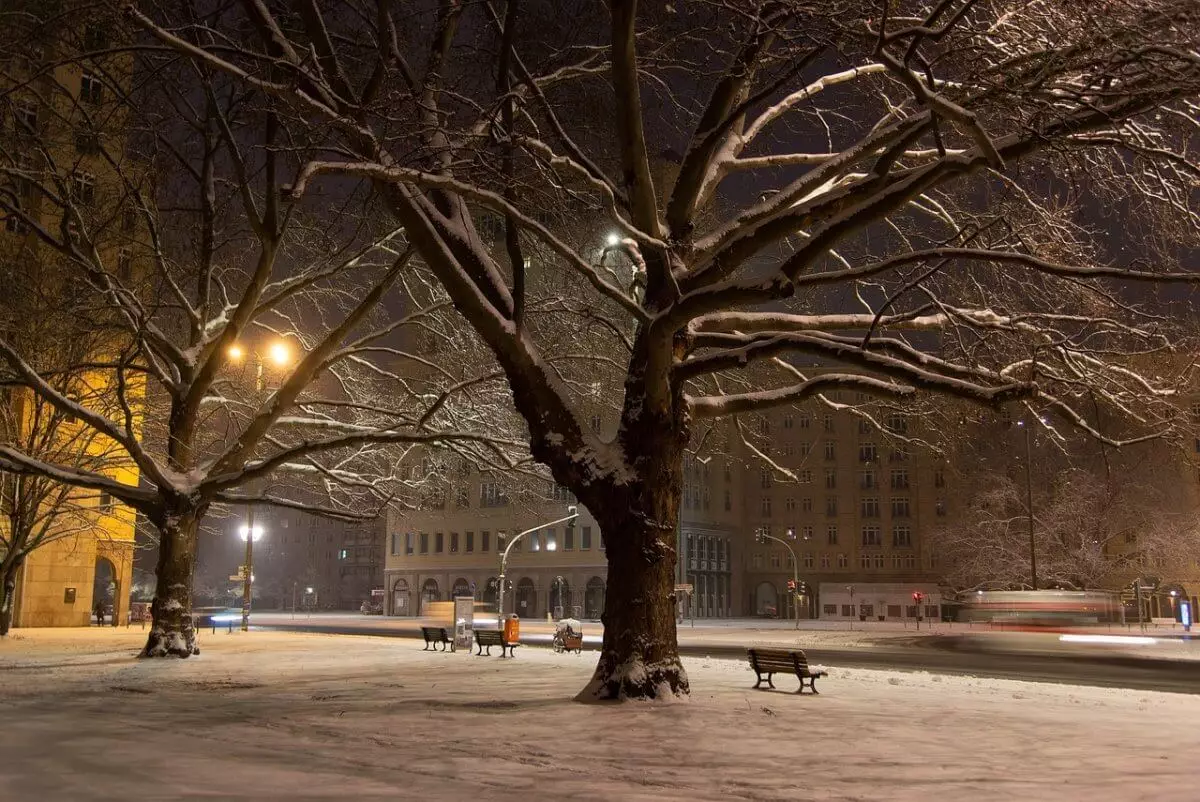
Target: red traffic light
point(791, 584)
point(917, 596)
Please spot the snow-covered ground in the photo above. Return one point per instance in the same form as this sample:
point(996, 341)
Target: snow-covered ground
point(276, 715)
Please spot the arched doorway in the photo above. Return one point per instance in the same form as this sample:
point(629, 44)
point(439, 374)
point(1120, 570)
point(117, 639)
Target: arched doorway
point(766, 600)
point(593, 598)
point(429, 593)
point(526, 598)
point(560, 598)
point(461, 588)
point(105, 591)
point(490, 591)
point(400, 598)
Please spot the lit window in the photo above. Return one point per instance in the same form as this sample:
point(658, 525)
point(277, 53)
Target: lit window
point(90, 88)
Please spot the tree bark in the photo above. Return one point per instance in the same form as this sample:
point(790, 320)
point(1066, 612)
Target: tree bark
point(639, 658)
point(172, 633)
point(8, 590)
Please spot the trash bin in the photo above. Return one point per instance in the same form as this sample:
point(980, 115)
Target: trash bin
point(512, 629)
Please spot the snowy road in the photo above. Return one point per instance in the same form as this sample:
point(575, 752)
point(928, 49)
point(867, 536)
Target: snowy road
point(1166, 669)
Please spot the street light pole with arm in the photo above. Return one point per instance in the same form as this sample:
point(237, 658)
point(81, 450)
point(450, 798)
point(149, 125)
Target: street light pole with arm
point(572, 514)
point(763, 536)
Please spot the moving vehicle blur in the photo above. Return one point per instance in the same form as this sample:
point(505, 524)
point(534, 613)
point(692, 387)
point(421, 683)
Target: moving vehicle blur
point(1043, 608)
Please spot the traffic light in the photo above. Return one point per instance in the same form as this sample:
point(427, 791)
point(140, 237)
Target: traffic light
point(791, 584)
point(917, 596)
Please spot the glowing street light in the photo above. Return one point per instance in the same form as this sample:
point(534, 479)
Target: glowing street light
point(236, 353)
point(613, 239)
point(280, 354)
point(244, 531)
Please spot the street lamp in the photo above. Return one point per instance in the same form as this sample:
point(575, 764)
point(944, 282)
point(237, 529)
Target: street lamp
point(278, 353)
point(762, 536)
point(572, 514)
point(613, 239)
point(1029, 502)
point(249, 533)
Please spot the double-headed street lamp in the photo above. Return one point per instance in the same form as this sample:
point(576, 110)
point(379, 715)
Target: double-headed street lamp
point(278, 353)
point(762, 536)
point(572, 514)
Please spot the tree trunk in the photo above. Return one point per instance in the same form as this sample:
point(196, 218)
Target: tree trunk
point(8, 591)
point(640, 655)
point(172, 633)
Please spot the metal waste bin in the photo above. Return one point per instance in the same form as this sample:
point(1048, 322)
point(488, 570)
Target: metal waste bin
point(512, 629)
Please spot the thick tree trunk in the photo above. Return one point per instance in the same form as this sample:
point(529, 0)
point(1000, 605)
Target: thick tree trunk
point(172, 633)
point(8, 591)
point(640, 655)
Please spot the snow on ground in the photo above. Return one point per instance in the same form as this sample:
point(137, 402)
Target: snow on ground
point(278, 715)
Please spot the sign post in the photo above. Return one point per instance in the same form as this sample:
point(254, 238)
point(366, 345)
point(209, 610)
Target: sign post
point(464, 621)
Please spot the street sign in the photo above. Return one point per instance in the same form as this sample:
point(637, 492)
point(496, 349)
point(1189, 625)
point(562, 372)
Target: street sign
point(236, 578)
point(684, 588)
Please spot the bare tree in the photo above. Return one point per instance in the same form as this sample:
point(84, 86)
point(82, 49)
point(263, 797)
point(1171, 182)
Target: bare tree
point(899, 189)
point(238, 335)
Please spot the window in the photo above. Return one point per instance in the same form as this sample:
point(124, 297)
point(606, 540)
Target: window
point(484, 540)
point(343, 554)
point(806, 504)
point(870, 507)
point(847, 610)
point(535, 541)
point(830, 478)
point(830, 449)
point(902, 536)
point(805, 420)
point(789, 504)
point(831, 505)
point(843, 561)
point(809, 562)
point(395, 544)
point(83, 188)
point(765, 503)
point(897, 423)
point(864, 561)
point(776, 560)
point(939, 478)
point(866, 480)
point(877, 560)
point(827, 422)
point(551, 540)
point(764, 476)
point(470, 544)
point(25, 117)
point(90, 88)
point(939, 508)
point(789, 420)
point(871, 536)
point(87, 141)
point(806, 533)
point(804, 477)
point(408, 543)
point(424, 542)
point(756, 561)
point(454, 542)
point(764, 425)
point(829, 609)
point(899, 454)
point(728, 473)
point(124, 264)
point(900, 507)
point(931, 611)
point(491, 494)
point(728, 501)
point(867, 452)
point(805, 448)
point(561, 493)
point(824, 560)
point(95, 38)
point(789, 450)
point(596, 424)
point(910, 611)
point(585, 538)
point(831, 532)
point(439, 543)
point(106, 501)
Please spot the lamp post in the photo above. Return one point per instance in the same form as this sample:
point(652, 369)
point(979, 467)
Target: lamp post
point(762, 536)
point(250, 533)
point(1029, 503)
point(853, 612)
point(572, 514)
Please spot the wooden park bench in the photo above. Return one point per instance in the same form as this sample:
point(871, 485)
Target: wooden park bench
point(487, 638)
point(782, 661)
point(435, 635)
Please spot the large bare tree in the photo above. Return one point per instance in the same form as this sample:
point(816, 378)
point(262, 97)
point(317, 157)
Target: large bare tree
point(236, 334)
point(902, 189)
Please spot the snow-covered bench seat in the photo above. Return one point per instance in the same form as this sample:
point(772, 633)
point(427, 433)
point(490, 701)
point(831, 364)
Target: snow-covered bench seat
point(436, 635)
point(782, 661)
point(487, 638)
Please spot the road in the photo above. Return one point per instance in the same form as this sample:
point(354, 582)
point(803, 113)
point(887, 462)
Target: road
point(941, 654)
